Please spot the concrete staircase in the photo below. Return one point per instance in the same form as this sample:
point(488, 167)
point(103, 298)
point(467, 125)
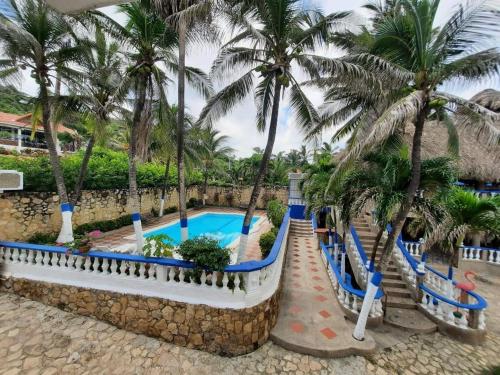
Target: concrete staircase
point(400, 308)
point(301, 228)
point(398, 294)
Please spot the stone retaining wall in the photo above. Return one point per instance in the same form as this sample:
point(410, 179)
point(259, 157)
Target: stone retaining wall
point(222, 331)
point(24, 213)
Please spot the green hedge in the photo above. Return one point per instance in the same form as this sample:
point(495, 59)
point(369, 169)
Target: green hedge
point(107, 170)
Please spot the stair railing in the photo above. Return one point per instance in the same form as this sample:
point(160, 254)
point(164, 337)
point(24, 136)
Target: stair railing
point(348, 296)
point(360, 258)
point(437, 293)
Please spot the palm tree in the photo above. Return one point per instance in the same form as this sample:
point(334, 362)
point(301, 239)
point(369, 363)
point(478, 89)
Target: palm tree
point(464, 213)
point(421, 58)
point(279, 32)
point(151, 45)
point(213, 148)
point(163, 146)
point(42, 40)
point(96, 87)
point(186, 16)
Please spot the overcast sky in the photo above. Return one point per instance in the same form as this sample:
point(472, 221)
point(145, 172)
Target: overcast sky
point(239, 125)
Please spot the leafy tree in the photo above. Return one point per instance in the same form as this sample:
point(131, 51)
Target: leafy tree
point(279, 33)
point(420, 58)
point(42, 40)
point(14, 101)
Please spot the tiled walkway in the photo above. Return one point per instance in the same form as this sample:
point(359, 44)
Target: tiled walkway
point(118, 238)
point(311, 320)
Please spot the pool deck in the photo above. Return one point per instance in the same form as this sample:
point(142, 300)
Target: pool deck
point(117, 239)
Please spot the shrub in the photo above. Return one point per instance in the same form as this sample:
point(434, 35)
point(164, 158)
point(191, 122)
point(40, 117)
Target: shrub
point(276, 212)
point(266, 242)
point(159, 245)
point(43, 238)
point(193, 202)
point(206, 253)
point(170, 210)
point(105, 225)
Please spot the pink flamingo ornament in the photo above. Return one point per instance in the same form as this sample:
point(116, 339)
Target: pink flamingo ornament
point(466, 286)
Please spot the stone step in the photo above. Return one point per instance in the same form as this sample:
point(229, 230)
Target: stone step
point(392, 275)
point(397, 292)
point(409, 320)
point(393, 283)
point(401, 302)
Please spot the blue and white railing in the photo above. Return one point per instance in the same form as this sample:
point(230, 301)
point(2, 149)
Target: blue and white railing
point(358, 257)
point(439, 295)
point(481, 254)
point(486, 193)
point(348, 296)
point(238, 286)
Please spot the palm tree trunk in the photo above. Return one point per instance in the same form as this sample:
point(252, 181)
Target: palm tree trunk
point(205, 185)
point(180, 131)
point(66, 233)
point(416, 163)
point(165, 187)
point(132, 166)
point(375, 245)
point(83, 170)
point(262, 171)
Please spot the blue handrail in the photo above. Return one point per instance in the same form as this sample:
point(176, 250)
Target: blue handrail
point(481, 302)
point(248, 266)
point(349, 288)
point(359, 246)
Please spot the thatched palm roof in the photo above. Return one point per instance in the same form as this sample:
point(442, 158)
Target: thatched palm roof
point(477, 161)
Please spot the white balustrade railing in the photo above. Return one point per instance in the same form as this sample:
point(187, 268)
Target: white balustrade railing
point(493, 256)
point(357, 261)
point(414, 247)
point(471, 253)
point(350, 298)
point(239, 286)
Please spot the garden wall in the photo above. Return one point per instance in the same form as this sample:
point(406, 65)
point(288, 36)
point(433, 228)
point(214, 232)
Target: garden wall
point(223, 331)
point(24, 213)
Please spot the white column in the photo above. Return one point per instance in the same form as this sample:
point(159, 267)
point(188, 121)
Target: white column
point(243, 243)
point(162, 205)
point(19, 140)
point(371, 291)
point(342, 265)
point(66, 233)
point(139, 238)
point(184, 230)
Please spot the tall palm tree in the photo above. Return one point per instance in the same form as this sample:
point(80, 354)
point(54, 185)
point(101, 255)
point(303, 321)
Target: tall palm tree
point(189, 17)
point(464, 213)
point(163, 146)
point(422, 57)
point(41, 40)
point(151, 44)
point(96, 85)
point(213, 148)
point(280, 33)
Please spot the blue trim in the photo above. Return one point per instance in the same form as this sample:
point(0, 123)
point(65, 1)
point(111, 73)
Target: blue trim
point(242, 267)
point(245, 229)
point(136, 216)
point(424, 257)
point(371, 268)
point(450, 273)
point(66, 207)
point(359, 246)
point(481, 303)
point(358, 292)
point(376, 279)
point(184, 223)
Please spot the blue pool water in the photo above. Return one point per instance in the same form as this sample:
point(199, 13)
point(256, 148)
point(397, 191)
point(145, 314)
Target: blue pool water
point(225, 228)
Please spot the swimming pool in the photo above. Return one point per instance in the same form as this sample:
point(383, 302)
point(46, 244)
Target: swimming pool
point(224, 227)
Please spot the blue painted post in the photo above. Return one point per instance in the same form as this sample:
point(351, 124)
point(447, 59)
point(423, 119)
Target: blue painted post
point(371, 269)
point(184, 230)
point(450, 282)
point(330, 237)
point(245, 229)
point(66, 233)
point(139, 238)
point(342, 264)
point(371, 291)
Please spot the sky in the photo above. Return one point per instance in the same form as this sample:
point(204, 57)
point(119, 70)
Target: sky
point(239, 125)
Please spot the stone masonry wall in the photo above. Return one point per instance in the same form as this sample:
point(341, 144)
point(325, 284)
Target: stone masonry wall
point(24, 213)
point(223, 331)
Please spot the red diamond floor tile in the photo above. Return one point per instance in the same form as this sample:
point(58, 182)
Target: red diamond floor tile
point(296, 267)
point(295, 309)
point(325, 314)
point(328, 333)
point(319, 288)
point(297, 327)
point(317, 278)
point(320, 298)
point(314, 269)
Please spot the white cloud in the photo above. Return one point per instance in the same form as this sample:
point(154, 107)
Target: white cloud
point(240, 123)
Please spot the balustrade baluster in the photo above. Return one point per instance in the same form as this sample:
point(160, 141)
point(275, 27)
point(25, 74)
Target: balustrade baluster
point(171, 274)
point(181, 275)
point(105, 266)
point(46, 259)
point(214, 279)
point(354, 303)
point(39, 258)
point(15, 255)
point(142, 271)
point(131, 269)
point(114, 267)
point(22, 256)
point(225, 280)
point(79, 262)
point(203, 277)
point(87, 264)
point(236, 282)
